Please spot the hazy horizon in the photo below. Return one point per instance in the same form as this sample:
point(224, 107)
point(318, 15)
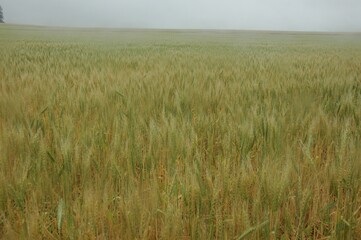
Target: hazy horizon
point(278, 15)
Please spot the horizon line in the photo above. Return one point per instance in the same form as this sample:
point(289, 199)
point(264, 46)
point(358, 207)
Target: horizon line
point(180, 29)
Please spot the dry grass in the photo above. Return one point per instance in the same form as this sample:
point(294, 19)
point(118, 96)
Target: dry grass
point(109, 134)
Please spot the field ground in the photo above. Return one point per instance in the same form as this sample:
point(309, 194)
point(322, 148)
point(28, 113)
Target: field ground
point(150, 134)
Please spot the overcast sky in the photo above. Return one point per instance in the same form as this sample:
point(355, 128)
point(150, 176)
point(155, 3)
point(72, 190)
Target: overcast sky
point(299, 15)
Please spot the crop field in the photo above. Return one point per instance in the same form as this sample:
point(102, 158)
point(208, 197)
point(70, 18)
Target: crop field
point(157, 134)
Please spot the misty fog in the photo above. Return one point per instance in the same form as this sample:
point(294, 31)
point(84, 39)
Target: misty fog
point(297, 15)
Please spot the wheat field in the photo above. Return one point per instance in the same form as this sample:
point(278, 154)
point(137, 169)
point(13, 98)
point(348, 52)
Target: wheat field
point(161, 134)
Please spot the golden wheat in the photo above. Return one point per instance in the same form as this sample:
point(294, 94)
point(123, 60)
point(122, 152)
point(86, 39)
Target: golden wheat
point(115, 134)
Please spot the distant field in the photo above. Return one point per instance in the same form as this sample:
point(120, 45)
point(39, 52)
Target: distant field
point(150, 134)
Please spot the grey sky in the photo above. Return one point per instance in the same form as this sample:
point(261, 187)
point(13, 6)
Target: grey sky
point(303, 15)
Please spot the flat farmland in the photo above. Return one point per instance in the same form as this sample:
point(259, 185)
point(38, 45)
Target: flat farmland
point(165, 134)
